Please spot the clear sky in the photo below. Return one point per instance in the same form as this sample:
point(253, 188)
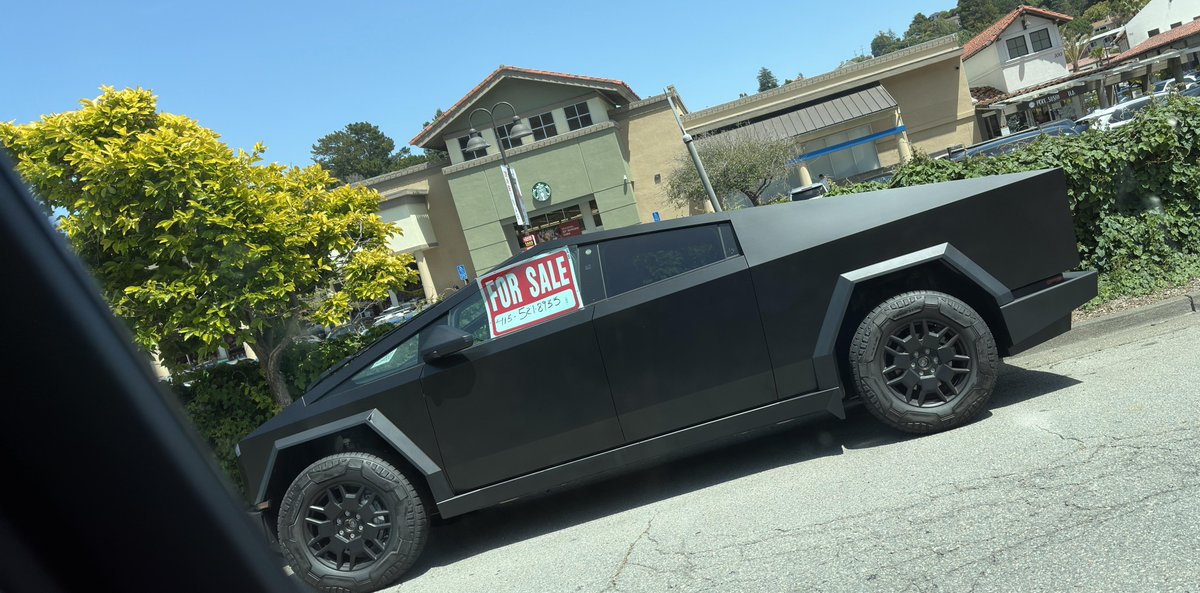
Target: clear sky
point(286, 73)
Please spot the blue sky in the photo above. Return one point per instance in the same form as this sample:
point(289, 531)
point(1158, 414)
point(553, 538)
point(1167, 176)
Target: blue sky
point(286, 73)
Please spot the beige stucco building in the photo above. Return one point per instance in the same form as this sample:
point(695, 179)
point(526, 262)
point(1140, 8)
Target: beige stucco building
point(861, 118)
point(599, 155)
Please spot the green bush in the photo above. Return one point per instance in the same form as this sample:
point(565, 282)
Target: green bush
point(1134, 194)
point(228, 401)
point(225, 403)
point(303, 362)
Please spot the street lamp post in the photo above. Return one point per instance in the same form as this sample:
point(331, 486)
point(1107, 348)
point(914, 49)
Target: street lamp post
point(517, 130)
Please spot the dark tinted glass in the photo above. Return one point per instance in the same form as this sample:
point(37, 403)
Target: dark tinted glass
point(543, 126)
point(633, 262)
point(1040, 39)
point(471, 317)
point(1017, 47)
point(578, 116)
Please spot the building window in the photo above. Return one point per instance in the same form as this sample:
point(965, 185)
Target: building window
point(502, 133)
point(543, 126)
point(578, 116)
point(1017, 47)
point(470, 154)
point(1176, 25)
point(1040, 39)
point(842, 164)
point(1152, 32)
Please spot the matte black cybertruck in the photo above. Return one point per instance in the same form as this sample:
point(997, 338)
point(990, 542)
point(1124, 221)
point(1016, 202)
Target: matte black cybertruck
point(692, 330)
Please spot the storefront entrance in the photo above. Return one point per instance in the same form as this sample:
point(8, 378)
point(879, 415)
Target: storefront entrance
point(568, 221)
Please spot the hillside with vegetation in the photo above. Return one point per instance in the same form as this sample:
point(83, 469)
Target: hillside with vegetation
point(971, 17)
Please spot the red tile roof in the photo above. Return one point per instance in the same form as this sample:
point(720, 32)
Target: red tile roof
point(1160, 40)
point(1083, 63)
point(493, 77)
point(992, 33)
point(1030, 89)
point(985, 93)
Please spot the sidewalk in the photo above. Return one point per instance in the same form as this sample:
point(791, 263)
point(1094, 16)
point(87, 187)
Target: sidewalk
point(1139, 316)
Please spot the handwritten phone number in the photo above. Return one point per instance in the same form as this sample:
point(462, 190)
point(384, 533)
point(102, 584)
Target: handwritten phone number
point(542, 306)
point(533, 312)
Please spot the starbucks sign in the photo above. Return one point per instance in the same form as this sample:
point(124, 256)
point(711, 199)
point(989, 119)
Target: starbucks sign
point(541, 192)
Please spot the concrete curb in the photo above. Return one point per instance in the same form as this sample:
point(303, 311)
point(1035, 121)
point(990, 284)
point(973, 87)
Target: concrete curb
point(1145, 315)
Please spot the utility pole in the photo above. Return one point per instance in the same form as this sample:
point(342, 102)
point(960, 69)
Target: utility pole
point(687, 140)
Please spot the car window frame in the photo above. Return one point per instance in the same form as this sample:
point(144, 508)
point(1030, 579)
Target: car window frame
point(727, 237)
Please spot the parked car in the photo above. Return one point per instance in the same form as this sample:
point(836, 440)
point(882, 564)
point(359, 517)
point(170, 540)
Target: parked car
point(394, 315)
point(1118, 115)
point(357, 328)
point(1011, 142)
point(883, 177)
point(675, 336)
point(1187, 82)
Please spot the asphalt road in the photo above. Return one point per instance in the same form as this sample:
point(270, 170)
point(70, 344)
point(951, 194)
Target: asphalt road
point(1084, 475)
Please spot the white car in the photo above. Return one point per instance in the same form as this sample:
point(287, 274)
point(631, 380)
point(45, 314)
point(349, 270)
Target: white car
point(1118, 115)
point(397, 314)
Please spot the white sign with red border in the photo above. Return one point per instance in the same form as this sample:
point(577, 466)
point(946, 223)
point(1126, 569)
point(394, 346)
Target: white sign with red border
point(530, 292)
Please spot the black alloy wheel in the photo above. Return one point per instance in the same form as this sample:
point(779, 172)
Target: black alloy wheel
point(352, 523)
point(924, 362)
point(348, 526)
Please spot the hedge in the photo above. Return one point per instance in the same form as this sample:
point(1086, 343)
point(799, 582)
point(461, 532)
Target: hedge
point(1134, 194)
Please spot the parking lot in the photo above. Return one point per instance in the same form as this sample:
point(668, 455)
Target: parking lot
point(1084, 475)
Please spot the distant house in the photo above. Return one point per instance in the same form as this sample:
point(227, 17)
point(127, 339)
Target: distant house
point(1160, 16)
point(1021, 50)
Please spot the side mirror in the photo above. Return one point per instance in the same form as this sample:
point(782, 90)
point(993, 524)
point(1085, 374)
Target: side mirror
point(442, 341)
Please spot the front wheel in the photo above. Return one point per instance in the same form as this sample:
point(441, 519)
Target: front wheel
point(352, 523)
point(924, 362)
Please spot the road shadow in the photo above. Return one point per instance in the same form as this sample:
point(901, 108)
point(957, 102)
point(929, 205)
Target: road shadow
point(806, 439)
point(1015, 385)
point(809, 438)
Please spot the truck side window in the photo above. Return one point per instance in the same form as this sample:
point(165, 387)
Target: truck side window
point(402, 357)
point(633, 262)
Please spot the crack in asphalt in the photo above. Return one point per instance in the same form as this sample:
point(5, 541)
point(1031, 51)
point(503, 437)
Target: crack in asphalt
point(1060, 435)
point(1017, 501)
point(612, 581)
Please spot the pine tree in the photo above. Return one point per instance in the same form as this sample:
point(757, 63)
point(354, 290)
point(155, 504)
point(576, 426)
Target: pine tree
point(766, 80)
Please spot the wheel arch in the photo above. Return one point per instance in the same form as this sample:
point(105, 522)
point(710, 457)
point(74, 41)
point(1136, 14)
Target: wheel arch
point(367, 432)
point(940, 268)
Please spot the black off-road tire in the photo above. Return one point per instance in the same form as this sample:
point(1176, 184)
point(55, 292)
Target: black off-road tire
point(344, 509)
point(940, 379)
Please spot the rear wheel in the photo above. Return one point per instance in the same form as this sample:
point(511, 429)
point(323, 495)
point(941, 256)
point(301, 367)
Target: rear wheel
point(352, 523)
point(924, 362)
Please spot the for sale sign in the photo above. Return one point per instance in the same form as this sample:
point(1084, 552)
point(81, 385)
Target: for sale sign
point(530, 292)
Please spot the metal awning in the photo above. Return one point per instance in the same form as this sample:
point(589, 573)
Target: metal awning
point(817, 115)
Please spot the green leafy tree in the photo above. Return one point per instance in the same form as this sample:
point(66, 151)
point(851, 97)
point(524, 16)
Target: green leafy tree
point(1123, 10)
point(854, 60)
point(735, 164)
point(197, 246)
point(885, 42)
point(360, 151)
point(766, 80)
point(927, 28)
point(1094, 13)
point(977, 15)
point(1075, 48)
point(1132, 193)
